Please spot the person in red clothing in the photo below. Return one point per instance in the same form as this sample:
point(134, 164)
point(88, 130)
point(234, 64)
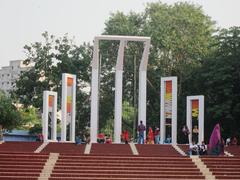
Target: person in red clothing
point(125, 136)
point(101, 138)
point(108, 139)
point(150, 136)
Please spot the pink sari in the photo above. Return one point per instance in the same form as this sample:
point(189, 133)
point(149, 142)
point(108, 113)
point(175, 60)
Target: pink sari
point(215, 138)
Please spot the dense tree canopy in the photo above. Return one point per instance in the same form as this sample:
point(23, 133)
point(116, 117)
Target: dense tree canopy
point(9, 115)
point(218, 79)
point(51, 58)
point(180, 36)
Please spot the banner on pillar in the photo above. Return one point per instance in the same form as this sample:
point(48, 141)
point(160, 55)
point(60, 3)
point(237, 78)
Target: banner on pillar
point(50, 103)
point(69, 104)
point(69, 98)
point(195, 108)
point(168, 100)
point(69, 81)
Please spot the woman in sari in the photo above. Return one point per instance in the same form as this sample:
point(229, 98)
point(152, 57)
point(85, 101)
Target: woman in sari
point(125, 136)
point(150, 136)
point(215, 142)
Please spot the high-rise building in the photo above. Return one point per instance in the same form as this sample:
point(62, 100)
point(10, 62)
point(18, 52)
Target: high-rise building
point(9, 74)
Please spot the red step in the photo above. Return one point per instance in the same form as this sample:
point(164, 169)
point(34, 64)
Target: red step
point(156, 150)
point(111, 149)
point(19, 146)
point(64, 148)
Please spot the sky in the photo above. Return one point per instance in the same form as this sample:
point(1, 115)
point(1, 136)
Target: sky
point(23, 21)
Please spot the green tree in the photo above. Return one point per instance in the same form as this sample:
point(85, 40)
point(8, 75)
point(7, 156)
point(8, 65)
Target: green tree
point(119, 24)
point(9, 116)
point(181, 35)
point(31, 119)
point(51, 58)
point(218, 79)
point(29, 116)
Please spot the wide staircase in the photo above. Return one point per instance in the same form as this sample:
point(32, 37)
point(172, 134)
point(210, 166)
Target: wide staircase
point(223, 167)
point(67, 161)
point(21, 166)
point(124, 167)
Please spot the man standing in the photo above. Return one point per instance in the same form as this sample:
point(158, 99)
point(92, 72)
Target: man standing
point(141, 128)
point(157, 135)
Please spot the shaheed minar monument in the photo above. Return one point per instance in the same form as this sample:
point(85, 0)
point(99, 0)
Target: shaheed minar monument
point(168, 99)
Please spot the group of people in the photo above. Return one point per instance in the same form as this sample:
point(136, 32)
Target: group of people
point(152, 137)
point(215, 146)
point(186, 132)
point(231, 141)
point(102, 138)
point(197, 149)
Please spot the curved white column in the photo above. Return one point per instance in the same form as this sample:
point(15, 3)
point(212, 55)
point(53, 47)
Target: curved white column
point(118, 94)
point(142, 92)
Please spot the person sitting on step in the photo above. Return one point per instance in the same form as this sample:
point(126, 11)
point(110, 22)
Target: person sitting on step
point(78, 140)
point(101, 138)
point(202, 148)
point(193, 148)
point(108, 139)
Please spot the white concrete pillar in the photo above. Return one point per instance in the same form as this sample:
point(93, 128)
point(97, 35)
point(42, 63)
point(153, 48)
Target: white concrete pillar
point(201, 119)
point(45, 117)
point(73, 117)
point(118, 94)
point(173, 109)
point(49, 106)
point(64, 109)
point(142, 95)
point(68, 106)
point(54, 118)
point(200, 116)
point(94, 93)
point(162, 112)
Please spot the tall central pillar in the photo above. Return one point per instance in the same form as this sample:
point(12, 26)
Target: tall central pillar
point(118, 84)
point(94, 93)
point(118, 94)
